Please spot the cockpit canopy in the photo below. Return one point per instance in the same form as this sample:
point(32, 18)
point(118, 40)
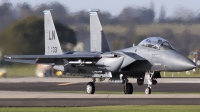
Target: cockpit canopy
point(156, 43)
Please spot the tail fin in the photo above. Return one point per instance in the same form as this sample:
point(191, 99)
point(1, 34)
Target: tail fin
point(52, 44)
point(98, 42)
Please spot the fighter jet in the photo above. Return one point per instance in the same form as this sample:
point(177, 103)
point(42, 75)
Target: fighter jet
point(143, 62)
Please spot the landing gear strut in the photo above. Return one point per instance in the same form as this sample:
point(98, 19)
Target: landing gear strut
point(128, 87)
point(149, 80)
point(90, 88)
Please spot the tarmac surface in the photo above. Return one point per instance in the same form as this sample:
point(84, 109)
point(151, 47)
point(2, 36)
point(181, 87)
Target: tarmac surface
point(78, 80)
point(68, 86)
point(20, 92)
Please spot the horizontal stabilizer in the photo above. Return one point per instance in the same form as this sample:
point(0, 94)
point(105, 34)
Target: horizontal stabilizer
point(27, 61)
point(22, 61)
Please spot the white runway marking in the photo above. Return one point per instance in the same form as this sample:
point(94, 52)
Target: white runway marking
point(65, 84)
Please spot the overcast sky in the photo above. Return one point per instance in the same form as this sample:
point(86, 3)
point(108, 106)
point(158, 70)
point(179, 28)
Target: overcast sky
point(115, 6)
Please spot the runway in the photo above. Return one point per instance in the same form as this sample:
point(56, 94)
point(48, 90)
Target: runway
point(70, 102)
point(68, 86)
point(78, 80)
point(40, 99)
point(44, 92)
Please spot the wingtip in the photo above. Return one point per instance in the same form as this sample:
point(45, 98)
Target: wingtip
point(47, 11)
point(8, 57)
point(94, 10)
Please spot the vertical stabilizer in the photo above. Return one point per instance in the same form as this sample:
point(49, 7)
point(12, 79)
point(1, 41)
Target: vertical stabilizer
point(52, 44)
point(98, 42)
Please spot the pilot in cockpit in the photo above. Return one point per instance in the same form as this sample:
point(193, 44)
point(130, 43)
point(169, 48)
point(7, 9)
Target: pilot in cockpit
point(156, 43)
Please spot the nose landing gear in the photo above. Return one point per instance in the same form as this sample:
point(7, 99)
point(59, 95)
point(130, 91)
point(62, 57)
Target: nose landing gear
point(148, 79)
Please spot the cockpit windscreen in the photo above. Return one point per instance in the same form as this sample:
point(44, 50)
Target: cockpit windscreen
point(156, 43)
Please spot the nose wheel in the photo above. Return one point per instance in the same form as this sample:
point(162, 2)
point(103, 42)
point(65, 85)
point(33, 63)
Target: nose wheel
point(148, 90)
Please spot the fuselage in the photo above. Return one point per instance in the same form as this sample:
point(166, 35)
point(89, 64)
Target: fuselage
point(152, 54)
point(163, 60)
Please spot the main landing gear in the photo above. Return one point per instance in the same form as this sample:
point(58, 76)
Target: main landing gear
point(128, 87)
point(90, 88)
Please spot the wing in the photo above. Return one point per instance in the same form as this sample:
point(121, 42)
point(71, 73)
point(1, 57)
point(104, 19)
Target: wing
point(50, 59)
point(68, 56)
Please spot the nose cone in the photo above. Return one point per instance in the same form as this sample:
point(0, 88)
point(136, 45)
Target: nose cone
point(182, 63)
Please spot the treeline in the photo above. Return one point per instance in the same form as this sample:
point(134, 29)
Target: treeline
point(26, 36)
point(120, 30)
point(9, 13)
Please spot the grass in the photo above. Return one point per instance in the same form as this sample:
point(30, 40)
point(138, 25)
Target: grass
point(179, 74)
point(129, 108)
point(20, 71)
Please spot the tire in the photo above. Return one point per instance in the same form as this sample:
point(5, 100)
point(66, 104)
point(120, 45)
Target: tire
point(90, 88)
point(154, 82)
point(128, 89)
point(148, 90)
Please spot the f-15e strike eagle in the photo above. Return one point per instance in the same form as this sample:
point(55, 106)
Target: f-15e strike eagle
point(143, 62)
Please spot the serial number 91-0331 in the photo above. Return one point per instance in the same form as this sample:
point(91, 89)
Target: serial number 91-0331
point(52, 49)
